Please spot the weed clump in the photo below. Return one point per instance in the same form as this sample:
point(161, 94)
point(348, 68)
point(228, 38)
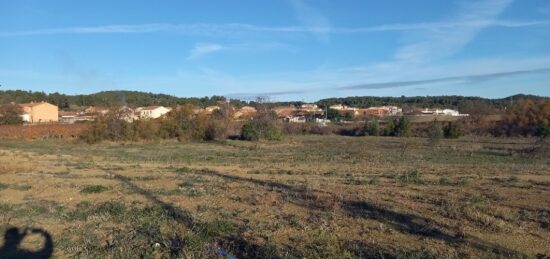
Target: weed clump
point(444, 181)
point(413, 177)
point(89, 189)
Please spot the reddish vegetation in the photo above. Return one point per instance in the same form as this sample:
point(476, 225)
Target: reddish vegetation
point(41, 131)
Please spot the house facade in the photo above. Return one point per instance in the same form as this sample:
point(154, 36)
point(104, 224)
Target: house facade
point(39, 112)
point(448, 112)
point(152, 112)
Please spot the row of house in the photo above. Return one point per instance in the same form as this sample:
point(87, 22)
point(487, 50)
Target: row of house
point(447, 112)
point(43, 112)
point(311, 112)
point(394, 111)
point(371, 111)
point(128, 114)
point(300, 114)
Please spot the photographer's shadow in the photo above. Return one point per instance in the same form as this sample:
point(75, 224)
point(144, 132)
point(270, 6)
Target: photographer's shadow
point(13, 238)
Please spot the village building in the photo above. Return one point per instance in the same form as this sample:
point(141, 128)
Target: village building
point(152, 112)
point(39, 112)
point(211, 109)
point(294, 119)
point(92, 110)
point(302, 114)
point(343, 110)
point(380, 111)
point(447, 112)
point(338, 107)
point(245, 112)
point(72, 117)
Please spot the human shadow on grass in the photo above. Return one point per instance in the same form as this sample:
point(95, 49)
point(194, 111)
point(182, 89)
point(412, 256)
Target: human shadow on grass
point(407, 223)
point(236, 245)
point(12, 242)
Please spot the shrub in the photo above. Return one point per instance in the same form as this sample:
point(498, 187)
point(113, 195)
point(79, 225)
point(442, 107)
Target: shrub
point(215, 129)
point(95, 133)
point(9, 114)
point(526, 118)
point(435, 132)
point(306, 128)
point(144, 129)
point(112, 126)
point(452, 130)
point(543, 131)
point(348, 116)
point(184, 124)
point(371, 128)
point(256, 130)
point(389, 129)
point(249, 132)
point(398, 127)
point(402, 128)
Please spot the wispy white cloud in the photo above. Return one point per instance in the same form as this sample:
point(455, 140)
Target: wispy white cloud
point(435, 44)
point(364, 80)
point(229, 29)
point(202, 49)
point(453, 79)
point(466, 78)
point(312, 20)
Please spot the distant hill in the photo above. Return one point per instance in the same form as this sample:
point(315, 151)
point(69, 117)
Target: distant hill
point(135, 99)
point(466, 104)
point(106, 98)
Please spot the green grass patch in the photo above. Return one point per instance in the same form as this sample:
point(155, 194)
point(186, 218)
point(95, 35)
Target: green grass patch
point(89, 189)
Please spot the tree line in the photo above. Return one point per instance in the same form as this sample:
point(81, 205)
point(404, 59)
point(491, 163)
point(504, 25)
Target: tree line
point(465, 104)
point(106, 98)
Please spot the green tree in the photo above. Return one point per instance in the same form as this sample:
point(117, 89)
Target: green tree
point(402, 127)
point(334, 115)
point(349, 116)
point(389, 129)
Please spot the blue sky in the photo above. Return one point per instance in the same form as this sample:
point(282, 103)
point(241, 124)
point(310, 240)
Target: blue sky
point(287, 49)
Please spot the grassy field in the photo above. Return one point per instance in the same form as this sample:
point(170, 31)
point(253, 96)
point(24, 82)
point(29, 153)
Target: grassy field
point(304, 197)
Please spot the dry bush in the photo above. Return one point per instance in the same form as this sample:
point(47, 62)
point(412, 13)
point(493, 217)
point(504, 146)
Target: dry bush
point(185, 125)
point(526, 118)
point(9, 114)
point(306, 128)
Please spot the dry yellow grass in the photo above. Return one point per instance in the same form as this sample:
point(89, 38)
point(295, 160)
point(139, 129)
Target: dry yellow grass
point(309, 196)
